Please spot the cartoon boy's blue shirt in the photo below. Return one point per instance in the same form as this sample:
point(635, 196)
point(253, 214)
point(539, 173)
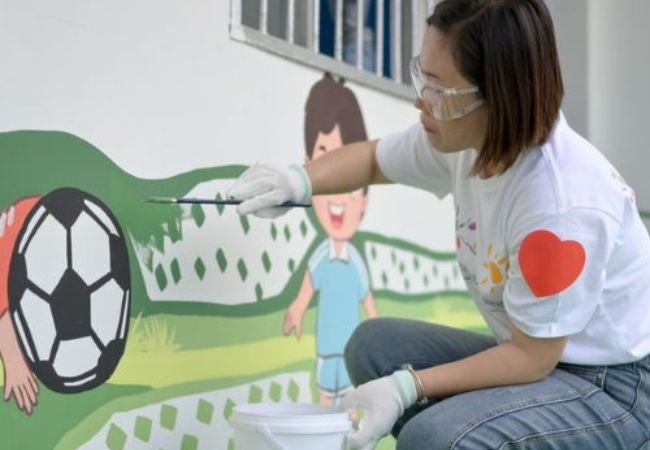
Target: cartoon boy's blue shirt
point(342, 283)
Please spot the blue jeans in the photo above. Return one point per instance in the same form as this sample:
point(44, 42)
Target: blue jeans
point(574, 408)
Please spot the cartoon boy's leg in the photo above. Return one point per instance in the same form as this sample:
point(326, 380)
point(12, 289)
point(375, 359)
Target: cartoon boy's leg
point(19, 381)
point(332, 379)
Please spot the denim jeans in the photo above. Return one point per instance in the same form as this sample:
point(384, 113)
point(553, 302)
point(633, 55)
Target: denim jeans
point(574, 408)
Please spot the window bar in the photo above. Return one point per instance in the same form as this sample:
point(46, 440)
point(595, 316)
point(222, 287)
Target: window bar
point(379, 37)
point(264, 12)
point(316, 26)
point(338, 46)
point(237, 13)
point(396, 35)
point(431, 4)
point(360, 30)
point(416, 27)
point(290, 21)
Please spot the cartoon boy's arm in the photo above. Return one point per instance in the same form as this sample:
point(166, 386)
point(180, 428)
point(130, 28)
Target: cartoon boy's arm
point(18, 378)
point(295, 312)
point(370, 306)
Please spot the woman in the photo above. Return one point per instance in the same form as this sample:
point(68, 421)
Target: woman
point(556, 257)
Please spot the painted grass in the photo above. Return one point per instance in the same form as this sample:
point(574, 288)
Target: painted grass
point(454, 310)
point(161, 368)
point(55, 415)
point(166, 369)
point(196, 332)
point(204, 347)
point(168, 353)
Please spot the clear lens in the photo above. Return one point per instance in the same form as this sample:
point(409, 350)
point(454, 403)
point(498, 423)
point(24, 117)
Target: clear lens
point(446, 103)
point(450, 107)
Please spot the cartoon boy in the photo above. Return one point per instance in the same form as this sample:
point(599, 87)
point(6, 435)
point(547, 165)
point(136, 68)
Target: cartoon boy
point(336, 269)
point(19, 381)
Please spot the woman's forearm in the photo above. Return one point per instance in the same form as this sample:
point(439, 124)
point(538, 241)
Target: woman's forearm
point(345, 169)
point(502, 365)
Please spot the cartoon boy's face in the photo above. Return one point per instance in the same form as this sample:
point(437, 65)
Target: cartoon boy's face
point(339, 214)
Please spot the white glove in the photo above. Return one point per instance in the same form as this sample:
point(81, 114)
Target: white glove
point(382, 402)
point(263, 187)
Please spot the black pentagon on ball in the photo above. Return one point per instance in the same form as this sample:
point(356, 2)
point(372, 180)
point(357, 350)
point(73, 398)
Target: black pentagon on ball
point(109, 359)
point(17, 276)
point(70, 300)
point(70, 303)
point(65, 205)
point(119, 271)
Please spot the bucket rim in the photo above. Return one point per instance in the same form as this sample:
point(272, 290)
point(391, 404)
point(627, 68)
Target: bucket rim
point(278, 418)
point(303, 410)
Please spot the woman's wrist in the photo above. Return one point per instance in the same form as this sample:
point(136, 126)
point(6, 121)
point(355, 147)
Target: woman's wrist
point(405, 387)
point(421, 397)
point(305, 193)
point(409, 386)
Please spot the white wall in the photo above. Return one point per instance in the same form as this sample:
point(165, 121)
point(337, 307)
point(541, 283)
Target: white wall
point(606, 68)
point(571, 28)
point(619, 77)
point(160, 87)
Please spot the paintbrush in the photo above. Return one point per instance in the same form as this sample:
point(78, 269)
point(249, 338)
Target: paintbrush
point(210, 201)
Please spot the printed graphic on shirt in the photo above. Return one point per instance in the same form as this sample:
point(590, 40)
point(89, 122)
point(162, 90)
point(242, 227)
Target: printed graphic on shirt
point(466, 247)
point(550, 265)
point(496, 267)
point(465, 234)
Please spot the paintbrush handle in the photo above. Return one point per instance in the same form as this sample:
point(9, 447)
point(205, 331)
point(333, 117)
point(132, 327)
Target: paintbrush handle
point(209, 201)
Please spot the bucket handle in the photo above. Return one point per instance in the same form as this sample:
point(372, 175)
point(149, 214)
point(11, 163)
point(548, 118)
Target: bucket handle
point(271, 438)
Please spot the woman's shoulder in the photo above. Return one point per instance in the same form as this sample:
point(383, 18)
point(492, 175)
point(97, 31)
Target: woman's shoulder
point(569, 172)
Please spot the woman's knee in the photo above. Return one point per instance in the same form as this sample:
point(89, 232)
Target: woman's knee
point(364, 348)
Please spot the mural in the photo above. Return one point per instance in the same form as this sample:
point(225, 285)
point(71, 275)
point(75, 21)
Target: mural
point(131, 325)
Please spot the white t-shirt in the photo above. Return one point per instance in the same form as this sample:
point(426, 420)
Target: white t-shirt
point(555, 245)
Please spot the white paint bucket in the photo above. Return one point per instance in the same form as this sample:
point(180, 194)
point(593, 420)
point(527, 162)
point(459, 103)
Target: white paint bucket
point(289, 426)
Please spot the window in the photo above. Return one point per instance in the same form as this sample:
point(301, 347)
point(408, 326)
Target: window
point(326, 34)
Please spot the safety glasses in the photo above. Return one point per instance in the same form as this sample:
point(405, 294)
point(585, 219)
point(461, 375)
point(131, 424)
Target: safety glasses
point(446, 103)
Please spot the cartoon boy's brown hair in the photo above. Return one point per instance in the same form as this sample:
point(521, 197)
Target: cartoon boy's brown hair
point(330, 103)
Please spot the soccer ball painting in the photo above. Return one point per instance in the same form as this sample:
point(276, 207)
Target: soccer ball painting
point(69, 290)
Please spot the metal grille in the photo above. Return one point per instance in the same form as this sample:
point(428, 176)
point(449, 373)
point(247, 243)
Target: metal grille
point(369, 41)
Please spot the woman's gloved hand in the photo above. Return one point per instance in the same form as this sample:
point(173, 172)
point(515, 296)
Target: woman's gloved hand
point(263, 187)
point(382, 402)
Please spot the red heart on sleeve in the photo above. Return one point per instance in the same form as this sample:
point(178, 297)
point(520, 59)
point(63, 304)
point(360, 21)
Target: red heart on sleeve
point(550, 265)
